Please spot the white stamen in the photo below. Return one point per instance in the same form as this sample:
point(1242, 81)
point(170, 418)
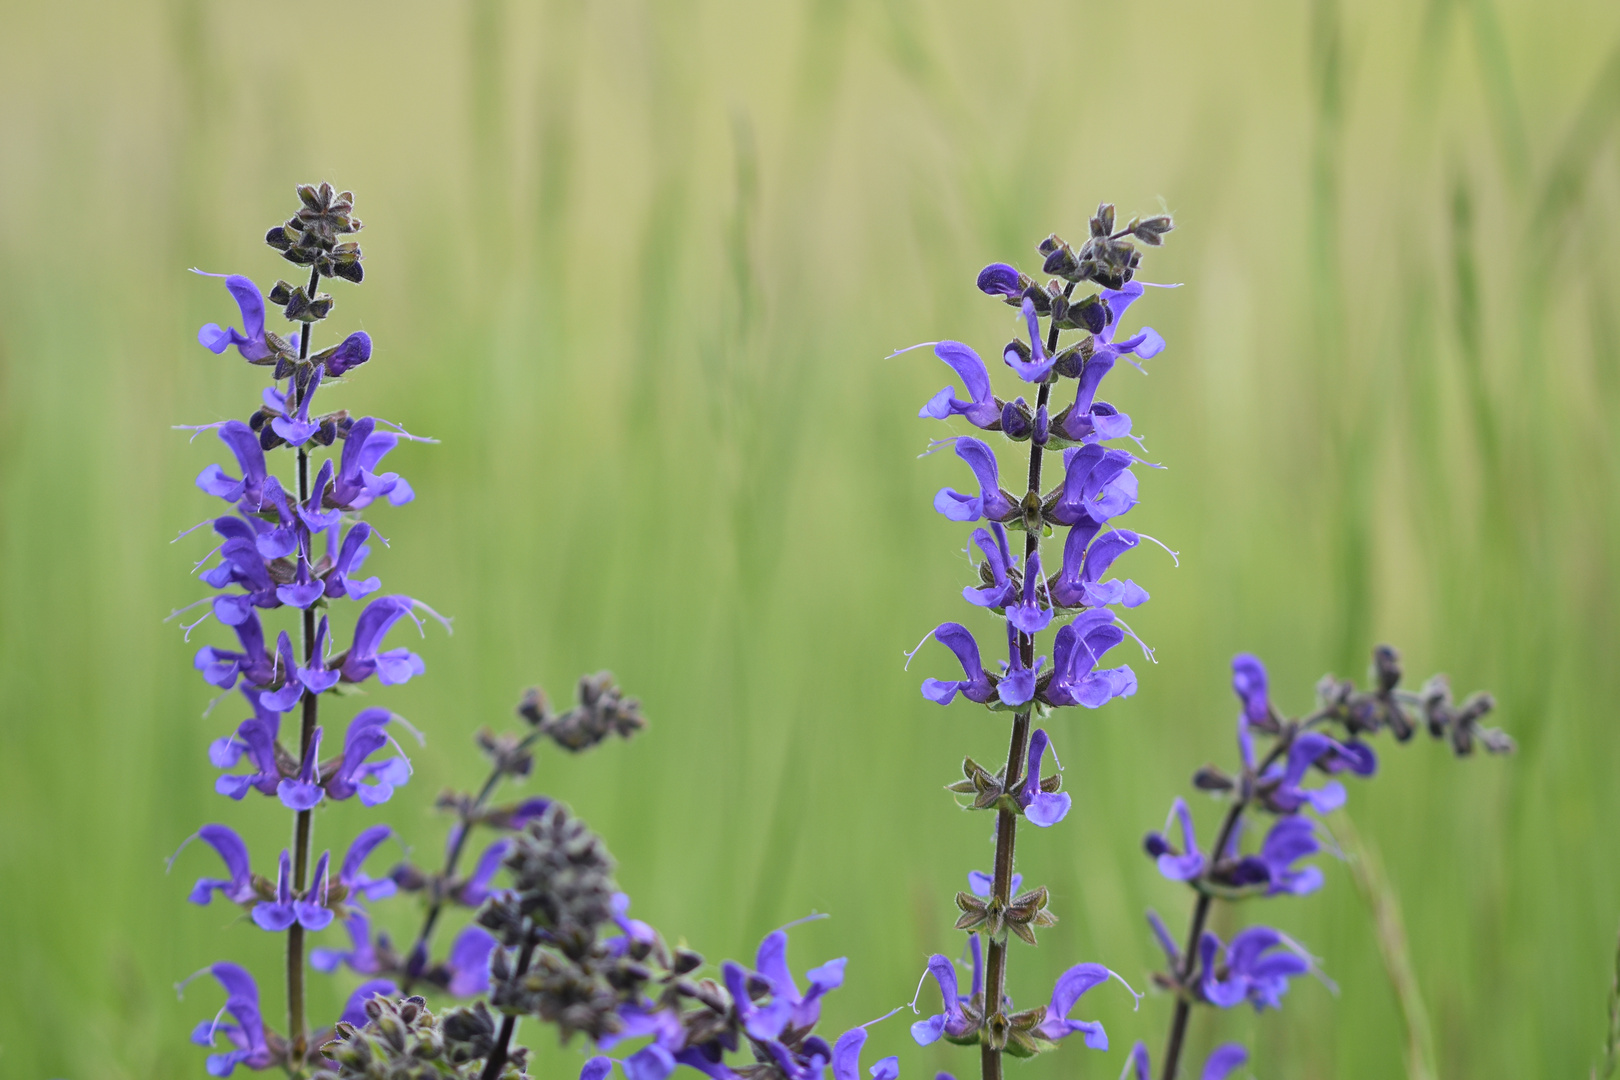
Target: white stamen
point(406, 724)
point(912, 654)
point(814, 916)
point(187, 532)
point(1147, 652)
point(908, 348)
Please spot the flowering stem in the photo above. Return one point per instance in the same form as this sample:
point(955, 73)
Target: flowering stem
point(303, 823)
point(497, 1057)
point(1007, 820)
point(416, 959)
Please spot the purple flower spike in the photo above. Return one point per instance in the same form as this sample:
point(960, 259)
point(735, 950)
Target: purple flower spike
point(363, 660)
point(247, 1034)
point(297, 429)
point(952, 1023)
point(352, 876)
point(468, 963)
point(238, 888)
point(244, 443)
point(476, 889)
point(1076, 651)
point(977, 686)
point(354, 351)
point(373, 781)
point(1039, 364)
point(275, 916)
point(1177, 865)
point(354, 1010)
point(981, 409)
point(361, 955)
point(249, 341)
point(1028, 615)
point(350, 557)
point(1256, 968)
point(999, 559)
point(1220, 1064)
point(1042, 808)
point(999, 279)
point(303, 792)
point(991, 502)
point(1068, 990)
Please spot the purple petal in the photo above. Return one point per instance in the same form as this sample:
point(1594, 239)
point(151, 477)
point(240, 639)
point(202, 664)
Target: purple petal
point(999, 279)
point(1223, 1060)
point(354, 1011)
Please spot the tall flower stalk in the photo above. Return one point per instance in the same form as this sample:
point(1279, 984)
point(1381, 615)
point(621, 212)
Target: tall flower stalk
point(1098, 485)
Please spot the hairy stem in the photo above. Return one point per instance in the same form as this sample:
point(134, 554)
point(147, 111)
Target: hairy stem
point(303, 822)
point(416, 959)
point(497, 1057)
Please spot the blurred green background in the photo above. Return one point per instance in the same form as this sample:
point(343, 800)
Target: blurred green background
point(638, 266)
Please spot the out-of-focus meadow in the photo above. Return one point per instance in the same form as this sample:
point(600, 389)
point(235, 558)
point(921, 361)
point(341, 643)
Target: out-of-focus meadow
point(638, 266)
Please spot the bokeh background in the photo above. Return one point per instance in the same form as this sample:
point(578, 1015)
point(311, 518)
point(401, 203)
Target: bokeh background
point(638, 265)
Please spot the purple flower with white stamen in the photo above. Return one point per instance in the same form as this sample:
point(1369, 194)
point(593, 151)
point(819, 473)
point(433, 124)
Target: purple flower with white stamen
point(1076, 651)
point(355, 774)
point(1001, 591)
point(1185, 863)
point(361, 956)
point(992, 502)
point(982, 410)
point(357, 483)
point(1281, 785)
point(278, 914)
point(1028, 615)
point(315, 677)
point(977, 686)
point(999, 279)
point(1042, 808)
point(1065, 992)
point(291, 689)
point(468, 963)
point(250, 340)
point(222, 667)
point(297, 428)
point(1038, 365)
point(247, 1034)
point(241, 564)
point(238, 887)
point(352, 876)
point(350, 557)
point(362, 659)
point(1097, 485)
point(1086, 557)
point(952, 1023)
point(350, 353)
point(303, 791)
point(1255, 967)
point(255, 739)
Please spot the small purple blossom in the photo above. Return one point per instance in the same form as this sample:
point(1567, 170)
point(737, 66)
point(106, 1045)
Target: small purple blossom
point(1076, 651)
point(250, 340)
point(468, 963)
point(992, 502)
point(357, 484)
point(1017, 685)
point(1282, 783)
point(278, 914)
point(981, 409)
point(1219, 1065)
point(362, 659)
point(1087, 557)
point(255, 739)
point(1065, 992)
point(222, 667)
point(351, 555)
point(303, 791)
point(238, 887)
point(354, 1010)
point(952, 1023)
point(1186, 863)
point(1001, 591)
point(1291, 838)
point(1250, 684)
point(977, 686)
point(246, 1034)
point(352, 876)
point(999, 279)
point(1255, 967)
point(1028, 614)
point(355, 774)
point(350, 353)
point(1042, 808)
point(1038, 365)
point(475, 890)
point(297, 428)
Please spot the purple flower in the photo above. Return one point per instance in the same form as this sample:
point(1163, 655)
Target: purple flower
point(222, 667)
point(1249, 683)
point(991, 502)
point(980, 884)
point(354, 1010)
point(1222, 1060)
point(977, 686)
point(247, 1034)
point(1281, 784)
point(250, 340)
point(1076, 650)
point(1255, 968)
point(303, 791)
point(1086, 557)
point(361, 955)
point(1001, 591)
point(999, 279)
point(241, 564)
point(362, 658)
point(353, 351)
point(475, 890)
point(249, 457)
point(351, 875)
point(280, 913)
point(1184, 864)
point(1042, 808)
point(981, 410)
point(350, 557)
point(373, 781)
point(1028, 615)
point(1068, 989)
point(1039, 365)
point(846, 1058)
point(255, 739)
point(297, 428)
point(1097, 485)
point(952, 1023)
point(357, 483)
point(238, 887)
point(315, 677)
point(468, 963)
point(787, 1006)
point(1017, 685)
point(634, 930)
point(1292, 838)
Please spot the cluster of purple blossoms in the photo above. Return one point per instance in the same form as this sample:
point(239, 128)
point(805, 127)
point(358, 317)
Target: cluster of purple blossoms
point(1294, 782)
point(1097, 487)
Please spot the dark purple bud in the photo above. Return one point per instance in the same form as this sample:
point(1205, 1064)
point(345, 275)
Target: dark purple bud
point(1015, 419)
point(999, 279)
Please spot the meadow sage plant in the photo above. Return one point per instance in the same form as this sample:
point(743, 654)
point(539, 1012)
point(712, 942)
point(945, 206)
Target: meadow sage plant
point(551, 937)
point(1098, 485)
